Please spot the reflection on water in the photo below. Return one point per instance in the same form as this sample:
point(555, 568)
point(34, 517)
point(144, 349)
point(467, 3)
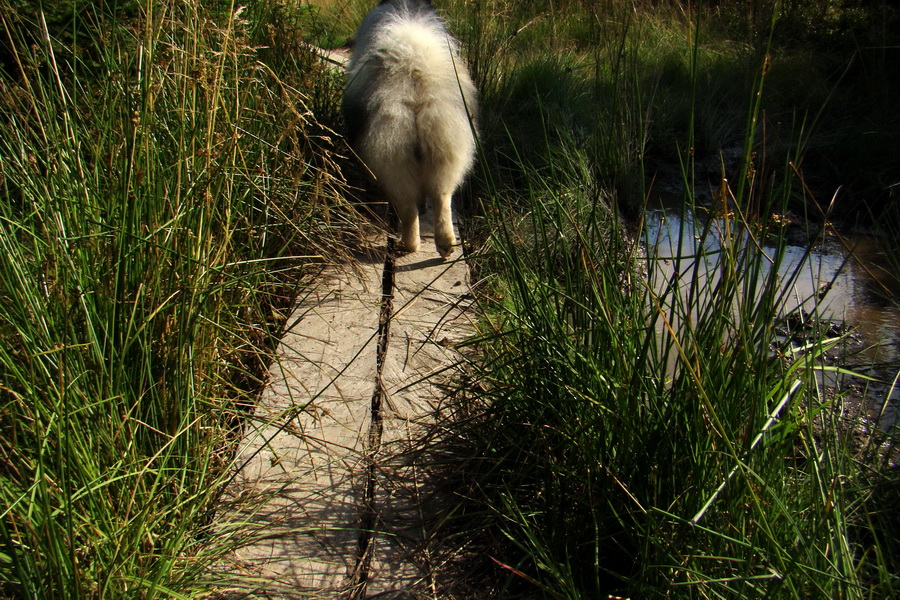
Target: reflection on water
point(839, 286)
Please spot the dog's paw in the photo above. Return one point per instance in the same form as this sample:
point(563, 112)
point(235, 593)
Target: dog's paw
point(444, 238)
point(409, 245)
point(445, 247)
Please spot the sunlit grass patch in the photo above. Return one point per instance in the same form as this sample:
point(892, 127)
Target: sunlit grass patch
point(162, 191)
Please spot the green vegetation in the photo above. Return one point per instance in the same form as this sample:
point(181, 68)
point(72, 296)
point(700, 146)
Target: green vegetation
point(647, 84)
point(646, 430)
point(170, 177)
point(162, 192)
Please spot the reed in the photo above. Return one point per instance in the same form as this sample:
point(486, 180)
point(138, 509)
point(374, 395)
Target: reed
point(646, 431)
point(162, 193)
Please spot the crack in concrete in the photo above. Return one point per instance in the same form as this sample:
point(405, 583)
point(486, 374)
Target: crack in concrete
point(369, 518)
point(345, 509)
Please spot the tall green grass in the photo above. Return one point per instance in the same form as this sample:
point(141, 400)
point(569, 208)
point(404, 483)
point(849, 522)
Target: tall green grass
point(162, 192)
point(650, 434)
point(646, 430)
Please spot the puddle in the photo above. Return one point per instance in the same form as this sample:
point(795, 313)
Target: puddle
point(856, 301)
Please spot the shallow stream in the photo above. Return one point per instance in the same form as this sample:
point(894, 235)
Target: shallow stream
point(861, 300)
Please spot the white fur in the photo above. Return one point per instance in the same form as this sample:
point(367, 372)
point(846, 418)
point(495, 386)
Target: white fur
point(409, 103)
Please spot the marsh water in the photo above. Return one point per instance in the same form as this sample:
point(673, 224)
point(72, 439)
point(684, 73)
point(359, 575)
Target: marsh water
point(844, 278)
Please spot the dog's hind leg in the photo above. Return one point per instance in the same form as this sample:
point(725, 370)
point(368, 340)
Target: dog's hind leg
point(404, 194)
point(441, 181)
point(444, 240)
point(409, 225)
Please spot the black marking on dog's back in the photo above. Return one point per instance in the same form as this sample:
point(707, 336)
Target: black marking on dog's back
point(356, 117)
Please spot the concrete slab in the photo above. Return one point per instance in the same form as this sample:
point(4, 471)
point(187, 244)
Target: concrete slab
point(334, 471)
point(431, 298)
point(301, 477)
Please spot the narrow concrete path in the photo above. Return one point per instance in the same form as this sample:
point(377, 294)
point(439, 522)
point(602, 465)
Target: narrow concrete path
point(332, 477)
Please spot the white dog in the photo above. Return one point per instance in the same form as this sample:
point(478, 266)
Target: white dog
point(409, 105)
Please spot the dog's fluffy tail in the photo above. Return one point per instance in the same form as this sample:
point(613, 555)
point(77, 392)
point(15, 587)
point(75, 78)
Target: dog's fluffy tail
point(416, 99)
